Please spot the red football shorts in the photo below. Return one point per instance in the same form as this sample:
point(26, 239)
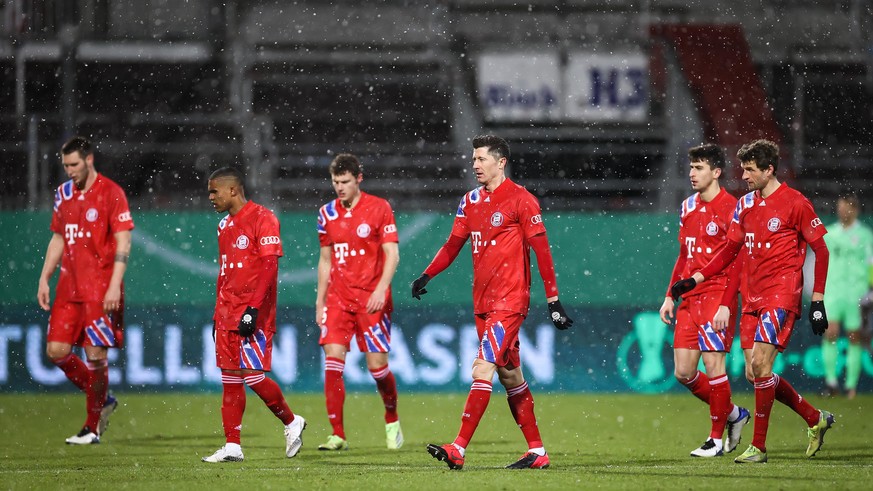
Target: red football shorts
point(234, 352)
point(85, 324)
point(694, 325)
point(372, 331)
point(775, 326)
point(748, 325)
point(498, 338)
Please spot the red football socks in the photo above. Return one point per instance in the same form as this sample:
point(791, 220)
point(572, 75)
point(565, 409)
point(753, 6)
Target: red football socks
point(335, 393)
point(75, 370)
point(719, 404)
point(387, 386)
point(521, 404)
point(786, 394)
point(699, 386)
point(269, 392)
point(233, 405)
point(477, 403)
point(95, 394)
point(765, 394)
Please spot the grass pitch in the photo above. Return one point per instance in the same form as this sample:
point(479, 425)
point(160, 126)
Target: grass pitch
point(594, 441)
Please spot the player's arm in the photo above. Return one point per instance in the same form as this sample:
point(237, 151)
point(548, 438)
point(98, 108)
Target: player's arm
point(321, 288)
point(729, 297)
point(669, 304)
point(540, 245)
point(817, 316)
point(392, 258)
point(716, 265)
point(442, 260)
point(53, 255)
point(266, 281)
point(112, 299)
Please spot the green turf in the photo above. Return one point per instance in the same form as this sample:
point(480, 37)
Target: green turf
point(594, 441)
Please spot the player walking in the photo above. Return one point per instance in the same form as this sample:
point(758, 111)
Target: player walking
point(249, 248)
point(774, 223)
point(358, 257)
point(90, 226)
point(503, 222)
point(703, 225)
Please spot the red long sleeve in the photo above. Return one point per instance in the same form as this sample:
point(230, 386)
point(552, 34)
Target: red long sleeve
point(678, 267)
point(722, 259)
point(444, 257)
point(267, 278)
point(729, 298)
point(822, 257)
point(540, 245)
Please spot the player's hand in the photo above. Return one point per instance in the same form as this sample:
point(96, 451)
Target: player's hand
point(43, 295)
point(818, 318)
point(376, 301)
point(667, 310)
point(721, 318)
point(320, 315)
point(247, 322)
point(681, 287)
point(112, 299)
point(213, 331)
point(559, 316)
point(418, 286)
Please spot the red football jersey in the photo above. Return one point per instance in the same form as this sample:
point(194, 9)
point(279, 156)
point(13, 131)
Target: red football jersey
point(356, 237)
point(775, 232)
point(88, 222)
point(498, 225)
point(243, 239)
point(703, 230)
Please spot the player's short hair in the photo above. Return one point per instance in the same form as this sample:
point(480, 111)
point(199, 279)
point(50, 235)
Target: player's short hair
point(78, 144)
point(709, 152)
point(763, 152)
point(230, 173)
point(497, 146)
point(346, 162)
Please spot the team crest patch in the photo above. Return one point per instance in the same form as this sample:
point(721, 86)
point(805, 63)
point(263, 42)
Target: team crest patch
point(711, 229)
point(242, 242)
point(773, 224)
point(497, 219)
point(91, 215)
point(363, 231)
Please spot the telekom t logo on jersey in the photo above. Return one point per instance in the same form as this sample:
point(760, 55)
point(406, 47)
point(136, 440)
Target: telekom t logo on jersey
point(689, 244)
point(70, 231)
point(341, 252)
point(750, 241)
point(475, 241)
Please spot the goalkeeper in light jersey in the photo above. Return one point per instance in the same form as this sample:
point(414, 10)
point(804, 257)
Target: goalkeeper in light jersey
point(851, 246)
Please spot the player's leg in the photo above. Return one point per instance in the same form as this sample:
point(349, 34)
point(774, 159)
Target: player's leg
point(686, 352)
point(854, 351)
point(64, 330)
point(374, 339)
point(336, 334)
point(720, 405)
point(484, 368)
point(228, 345)
point(98, 384)
point(521, 404)
point(763, 356)
point(829, 355)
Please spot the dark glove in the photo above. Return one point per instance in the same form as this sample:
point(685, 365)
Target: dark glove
point(559, 316)
point(247, 322)
point(681, 287)
point(818, 318)
point(213, 331)
point(418, 286)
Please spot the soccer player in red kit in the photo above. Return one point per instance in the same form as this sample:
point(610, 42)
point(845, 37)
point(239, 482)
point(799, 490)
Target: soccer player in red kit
point(703, 226)
point(503, 222)
point(357, 260)
point(90, 226)
point(249, 248)
point(774, 223)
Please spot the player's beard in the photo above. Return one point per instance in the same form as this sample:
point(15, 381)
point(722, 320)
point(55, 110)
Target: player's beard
point(82, 179)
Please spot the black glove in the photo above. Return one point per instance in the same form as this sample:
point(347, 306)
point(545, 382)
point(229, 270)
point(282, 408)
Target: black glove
point(213, 331)
point(418, 286)
point(817, 317)
point(247, 322)
point(681, 287)
point(559, 316)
